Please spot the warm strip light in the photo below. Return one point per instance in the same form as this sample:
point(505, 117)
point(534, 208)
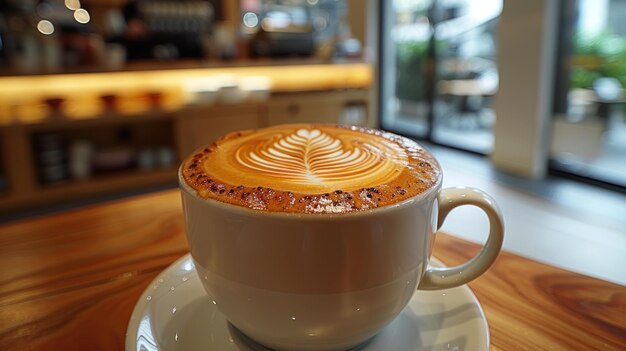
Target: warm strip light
point(283, 79)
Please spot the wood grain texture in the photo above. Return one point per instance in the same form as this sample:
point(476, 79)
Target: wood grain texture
point(532, 306)
point(70, 281)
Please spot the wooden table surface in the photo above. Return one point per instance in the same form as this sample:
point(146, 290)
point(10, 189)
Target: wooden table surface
point(69, 281)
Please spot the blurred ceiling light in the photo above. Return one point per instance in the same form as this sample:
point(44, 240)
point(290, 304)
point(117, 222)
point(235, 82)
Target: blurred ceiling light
point(72, 4)
point(82, 16)
point(45, 27)
point(250, 19)
point(312, 2)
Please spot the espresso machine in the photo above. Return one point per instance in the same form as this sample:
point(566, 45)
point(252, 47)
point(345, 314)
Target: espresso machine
point(167, 29)
point(290, 27)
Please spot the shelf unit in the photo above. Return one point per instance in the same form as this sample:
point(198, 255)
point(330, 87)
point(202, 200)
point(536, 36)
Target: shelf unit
point(191, 127)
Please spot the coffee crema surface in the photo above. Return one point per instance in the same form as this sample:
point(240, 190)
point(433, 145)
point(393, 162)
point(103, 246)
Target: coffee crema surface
point(311, 168)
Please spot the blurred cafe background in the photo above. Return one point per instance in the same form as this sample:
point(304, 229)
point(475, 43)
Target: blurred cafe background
point(103, 98)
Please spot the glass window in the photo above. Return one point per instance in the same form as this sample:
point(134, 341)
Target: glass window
point(589, 128)
point(438, 70)
point(405, 77)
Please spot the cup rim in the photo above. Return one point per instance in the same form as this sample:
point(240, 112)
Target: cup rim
point(184, 187)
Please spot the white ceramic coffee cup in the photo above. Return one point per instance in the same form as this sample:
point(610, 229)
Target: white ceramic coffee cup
point(326, 281)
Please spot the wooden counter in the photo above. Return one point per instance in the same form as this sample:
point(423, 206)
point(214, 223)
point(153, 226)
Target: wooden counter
point(70, 281)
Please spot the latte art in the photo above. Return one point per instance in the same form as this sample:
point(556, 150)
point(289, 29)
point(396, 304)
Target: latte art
point(311, 169)
point(310, 156)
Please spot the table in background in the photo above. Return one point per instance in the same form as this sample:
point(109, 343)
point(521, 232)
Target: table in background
point(69, 281)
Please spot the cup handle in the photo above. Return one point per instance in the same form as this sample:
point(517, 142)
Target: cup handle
point(436, 278)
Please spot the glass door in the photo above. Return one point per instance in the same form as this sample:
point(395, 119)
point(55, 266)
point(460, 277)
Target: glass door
point(438, 70)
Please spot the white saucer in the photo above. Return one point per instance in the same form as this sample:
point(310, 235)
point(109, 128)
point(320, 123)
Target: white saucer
point(174, 313)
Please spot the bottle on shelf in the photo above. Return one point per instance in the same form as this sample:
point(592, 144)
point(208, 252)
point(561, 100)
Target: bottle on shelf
point(80, 159)
point(51, 158)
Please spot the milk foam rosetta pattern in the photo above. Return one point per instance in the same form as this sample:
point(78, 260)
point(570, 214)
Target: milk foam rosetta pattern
point(311, 168)
point(310, 156)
